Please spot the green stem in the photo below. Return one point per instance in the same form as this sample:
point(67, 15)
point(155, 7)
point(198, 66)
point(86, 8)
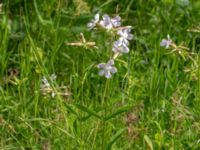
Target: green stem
point(104, 103)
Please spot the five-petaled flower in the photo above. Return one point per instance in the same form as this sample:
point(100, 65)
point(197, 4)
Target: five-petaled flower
point(116, 21)
point(108, 23)
point(125, 35)
point(107, 69)
point(93, 22)
point(120, 47)
point(166, 42)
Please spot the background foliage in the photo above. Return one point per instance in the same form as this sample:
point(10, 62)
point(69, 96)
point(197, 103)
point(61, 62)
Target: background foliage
point(151, 103)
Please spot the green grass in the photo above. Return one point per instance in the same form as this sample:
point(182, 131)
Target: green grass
point(150, 103)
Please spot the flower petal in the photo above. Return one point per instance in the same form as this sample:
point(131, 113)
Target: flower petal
point(130, 36)
point(108, 74)
point(110, 62)
point(101, 65)
point(90, 25)
point(96, 18)
point(125, 49)
point(116, 21)
point(101, 72)
point(106, 22)
point(163, 42)
point(113, 70)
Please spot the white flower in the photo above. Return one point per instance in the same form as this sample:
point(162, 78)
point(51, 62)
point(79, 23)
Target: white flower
point(116, 21)
point(109, 23)
point(53, 94)
point(125, 35)
point(106, 22)
point(45, 82)
point(107, 69)
point(166, 42)
point(93, 22)
point(120, 47)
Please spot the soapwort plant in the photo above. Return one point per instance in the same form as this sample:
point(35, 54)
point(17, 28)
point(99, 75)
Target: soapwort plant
point(184, 52)
point(119, 46)
point(180, 49)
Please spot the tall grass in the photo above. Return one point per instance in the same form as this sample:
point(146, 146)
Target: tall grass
point(152, 102)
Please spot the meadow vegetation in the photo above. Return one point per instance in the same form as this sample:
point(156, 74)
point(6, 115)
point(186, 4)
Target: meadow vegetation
point(52, 97)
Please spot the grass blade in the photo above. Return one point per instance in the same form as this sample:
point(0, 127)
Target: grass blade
point(148, 141)
point(71, 109)
point(114, 138)
point(85, 109)
point(118, 112)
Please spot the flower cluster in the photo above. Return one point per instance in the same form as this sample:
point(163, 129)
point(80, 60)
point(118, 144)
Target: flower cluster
point(120, 45)
point(106, 22)
point(47, 89)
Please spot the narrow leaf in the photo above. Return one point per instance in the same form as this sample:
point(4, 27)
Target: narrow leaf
point(118, 112)
point(71, 109)
point(114, 138)
point(148, 141)
point(85, 109)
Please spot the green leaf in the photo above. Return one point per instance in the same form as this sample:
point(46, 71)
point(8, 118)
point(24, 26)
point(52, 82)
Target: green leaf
point(71, 109)
point(148, 141)
point(158, 138)
point(118, 112)
point(85, 109)
point(114, 138)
